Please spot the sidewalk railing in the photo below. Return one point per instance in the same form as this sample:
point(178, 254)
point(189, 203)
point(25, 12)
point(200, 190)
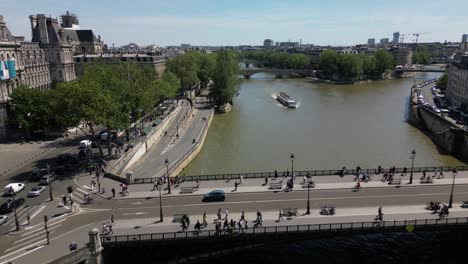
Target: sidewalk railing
point(300, 173)
point(379, 226)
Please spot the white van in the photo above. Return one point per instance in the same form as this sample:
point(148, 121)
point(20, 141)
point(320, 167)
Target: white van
point(85, 143)
point(13, 188)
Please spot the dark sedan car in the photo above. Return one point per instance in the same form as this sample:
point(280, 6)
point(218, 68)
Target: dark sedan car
point(7, 207)
point(216, 195)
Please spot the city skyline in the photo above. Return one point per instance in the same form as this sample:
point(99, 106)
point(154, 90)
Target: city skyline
point(245, 22)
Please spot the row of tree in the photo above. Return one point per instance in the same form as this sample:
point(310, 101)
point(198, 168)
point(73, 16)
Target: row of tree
point(221, 68)
point(111, 95)
point(276, 59)
point(350, 67)
point(421, 56)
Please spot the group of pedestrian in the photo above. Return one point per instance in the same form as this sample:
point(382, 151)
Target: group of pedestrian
point(107, 227)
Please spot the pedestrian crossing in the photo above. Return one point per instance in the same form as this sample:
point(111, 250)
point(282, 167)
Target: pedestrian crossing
point(29, 240)
point(78, 195)
point(22, 212)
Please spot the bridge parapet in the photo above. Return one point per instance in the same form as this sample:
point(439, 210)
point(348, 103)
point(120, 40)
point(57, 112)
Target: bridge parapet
point(358, 227)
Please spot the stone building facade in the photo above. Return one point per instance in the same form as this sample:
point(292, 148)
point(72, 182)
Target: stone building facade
point(47, 58)
point(457, 84)
point(59, 52)
point(83, 41)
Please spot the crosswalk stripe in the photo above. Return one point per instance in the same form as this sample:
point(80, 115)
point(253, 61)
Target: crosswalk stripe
point(36, 212)
point(20, 245)
point(35, 235)
point(38, 228)
point(19, 212)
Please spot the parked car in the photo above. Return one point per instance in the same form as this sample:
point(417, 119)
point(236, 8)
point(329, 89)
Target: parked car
point(13, 188)
point(464, 204)
point(46, 179)
point(216, 195)
point(3, 219)
point(85, 143)
point(11, 203)
point(37, 174)
point(36, 191)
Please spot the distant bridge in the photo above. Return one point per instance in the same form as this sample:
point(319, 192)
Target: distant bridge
point(279, 73)
point(442, 69)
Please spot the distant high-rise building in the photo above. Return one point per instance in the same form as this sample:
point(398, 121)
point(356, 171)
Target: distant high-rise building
point(384, 41)
point(268, 43)
point(464, 38)
point(396, 38)
point(371, 42)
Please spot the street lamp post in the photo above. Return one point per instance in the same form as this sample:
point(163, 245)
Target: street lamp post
point(308, 197)
point(454, 174)
point(49, 182)
point(413, 156)
point(160, 206)
point(168, 177)
point(292, 168)
point(17, 225)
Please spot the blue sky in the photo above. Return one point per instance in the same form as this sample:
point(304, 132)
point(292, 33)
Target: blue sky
point(234, 22)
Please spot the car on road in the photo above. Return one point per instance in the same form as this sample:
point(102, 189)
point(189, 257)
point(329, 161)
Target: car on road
point(13, 188)
point(11, 203)
point(45, 180)
point(37, 174)
point(464, 204)
point(213, 196)
point(36, 191)
point(3, 219)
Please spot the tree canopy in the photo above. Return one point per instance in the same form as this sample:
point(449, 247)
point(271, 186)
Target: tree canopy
point(226, 81)
point(278, 59)
point(421, 56)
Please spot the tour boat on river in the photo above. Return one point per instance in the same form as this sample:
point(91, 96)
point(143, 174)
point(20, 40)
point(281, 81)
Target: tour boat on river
point(286, 100)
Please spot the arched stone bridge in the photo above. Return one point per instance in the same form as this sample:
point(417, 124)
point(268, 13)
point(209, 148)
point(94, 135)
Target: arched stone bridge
point(279, 73)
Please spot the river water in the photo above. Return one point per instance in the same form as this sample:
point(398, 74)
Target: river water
point(334, 126)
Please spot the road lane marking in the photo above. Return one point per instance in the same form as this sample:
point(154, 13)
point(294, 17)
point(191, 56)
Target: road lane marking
point(137, 213)
point(34, 214)
point(288, 200)
point(19, 256)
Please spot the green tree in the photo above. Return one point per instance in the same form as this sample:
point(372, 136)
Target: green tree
point(421, 56)
point(226, 81)
point(185, 67)
point(207, 63)
point(328, 63)
point(31, 109)
point(383, 61)
point(442, 81)
point(349, 66)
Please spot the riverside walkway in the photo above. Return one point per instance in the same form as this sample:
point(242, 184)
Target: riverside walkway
point(256, 185)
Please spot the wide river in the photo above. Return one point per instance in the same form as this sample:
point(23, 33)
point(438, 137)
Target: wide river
point(334, 126)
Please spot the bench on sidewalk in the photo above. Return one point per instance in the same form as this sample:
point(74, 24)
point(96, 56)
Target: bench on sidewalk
point(276, 185)
point(187, 189)
point(178, 218)
point(288, 212)
point(427, 180)
point(309, 184)
point(395, 182)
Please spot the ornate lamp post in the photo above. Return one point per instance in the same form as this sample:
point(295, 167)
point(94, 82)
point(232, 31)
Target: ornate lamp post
point(413, 156)
point(160, 206)
point(292, 168)
point(49, 182)
point(454, 174)
point(168, 177)
point(308, 197)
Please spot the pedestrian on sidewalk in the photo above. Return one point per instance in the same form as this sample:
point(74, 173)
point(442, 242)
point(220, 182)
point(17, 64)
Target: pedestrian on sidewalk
point(28, 218)
point(379, 170)
point(64, 199)
point(198, 183)
point(241, 179)
point(266, 181)
point(155, 185)
point(219, 214)
point(424, 174)
point(71, 204)
point(276, 174)
point(113, 193)
point(197, 226)
point(112, 219)
point(280, 218)
point(205, 223)
point(441, 175)
point(404, 171)
point(226, 211)
point(235, 186)
point(242, 216)
point(109, 226)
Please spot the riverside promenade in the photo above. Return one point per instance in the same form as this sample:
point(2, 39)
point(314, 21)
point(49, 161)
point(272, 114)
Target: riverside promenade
point(327, 182)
